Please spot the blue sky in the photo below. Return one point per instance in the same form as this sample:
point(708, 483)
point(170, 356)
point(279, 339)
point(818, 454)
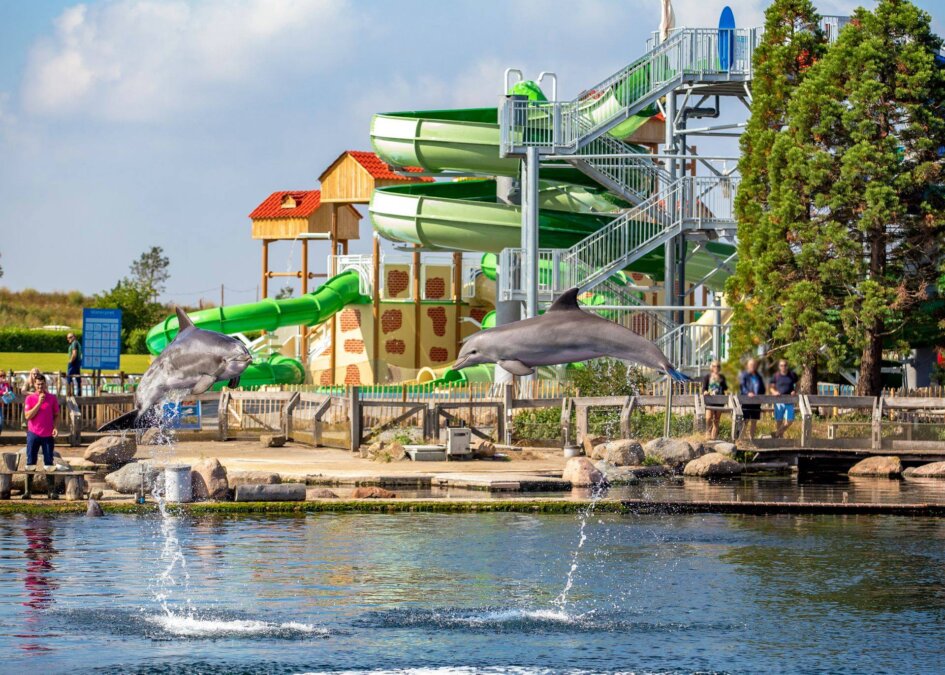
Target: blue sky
point(132, 123)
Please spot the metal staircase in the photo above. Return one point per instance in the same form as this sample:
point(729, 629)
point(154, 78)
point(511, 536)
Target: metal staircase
point(564, 127)
point(620, 168)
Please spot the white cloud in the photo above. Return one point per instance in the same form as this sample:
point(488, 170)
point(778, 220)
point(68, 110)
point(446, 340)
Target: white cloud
point(145, 59)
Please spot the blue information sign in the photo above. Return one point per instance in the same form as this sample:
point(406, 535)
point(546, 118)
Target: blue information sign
point(182, 415)
point(101, 339)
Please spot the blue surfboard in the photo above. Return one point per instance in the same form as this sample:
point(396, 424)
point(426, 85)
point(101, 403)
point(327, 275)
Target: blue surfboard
point(726, 39)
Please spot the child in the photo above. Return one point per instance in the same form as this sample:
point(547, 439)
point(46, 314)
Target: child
point(6, 396)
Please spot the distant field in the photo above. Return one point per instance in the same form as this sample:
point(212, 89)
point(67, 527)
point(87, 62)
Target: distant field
point(130, 363)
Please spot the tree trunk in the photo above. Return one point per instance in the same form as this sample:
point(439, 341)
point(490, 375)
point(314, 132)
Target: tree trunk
point(870, 382)
point(808, 383)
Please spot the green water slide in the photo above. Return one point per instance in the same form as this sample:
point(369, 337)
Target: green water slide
point(466, 215)
point(269, 314)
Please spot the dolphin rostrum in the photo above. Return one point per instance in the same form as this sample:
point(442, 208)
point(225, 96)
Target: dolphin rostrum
point(565, 333)
point(192, 363)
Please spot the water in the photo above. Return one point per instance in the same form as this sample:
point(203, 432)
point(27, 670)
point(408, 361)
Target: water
point(472, 593)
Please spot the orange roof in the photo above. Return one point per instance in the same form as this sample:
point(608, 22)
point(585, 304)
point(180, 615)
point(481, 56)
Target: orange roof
point(380, 170)
point(306, 202)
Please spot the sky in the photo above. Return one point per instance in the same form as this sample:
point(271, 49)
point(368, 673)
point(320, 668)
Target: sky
point(126, 124)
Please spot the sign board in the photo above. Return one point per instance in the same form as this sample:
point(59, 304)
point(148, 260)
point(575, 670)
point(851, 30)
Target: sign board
point(101, 339)
point(183, 415)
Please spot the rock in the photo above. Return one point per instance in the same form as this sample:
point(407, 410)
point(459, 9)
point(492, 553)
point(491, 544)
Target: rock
point(626, 452)
point(127, 480)
point(655, 471)
point(671, 452)
point(372, 493)
point(94, 510)
point(933, 470)
point(616, 475)
point(117, 449)
point(581, 472)
point(75, 488)
point(397, 452)
point(322, 493)
point(381, 451)
point(38, 484)
point(284, 492)
point(237, 478)
point(96, 494)
point(881, 467)
point(727, 449)
point(154, 436)
point(208, 480)
point(272, 440)
point(713, 465)
point(485, 450)
point(589, 443)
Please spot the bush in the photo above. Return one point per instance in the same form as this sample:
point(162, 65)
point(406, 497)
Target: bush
point(608, 377)
point(537, 423)
point(136, 342)
point(24, 340)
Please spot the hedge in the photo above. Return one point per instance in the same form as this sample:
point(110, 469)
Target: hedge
point(26, 340)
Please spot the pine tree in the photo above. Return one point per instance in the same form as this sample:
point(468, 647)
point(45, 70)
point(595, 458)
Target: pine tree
point(866, 127)
point(792, 42)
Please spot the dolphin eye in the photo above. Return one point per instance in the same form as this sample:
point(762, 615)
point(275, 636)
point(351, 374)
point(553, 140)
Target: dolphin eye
point(473, 351)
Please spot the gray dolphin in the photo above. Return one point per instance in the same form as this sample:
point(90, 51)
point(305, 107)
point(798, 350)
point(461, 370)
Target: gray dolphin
point(192, 363)
point(563, 334)
point(94, 510)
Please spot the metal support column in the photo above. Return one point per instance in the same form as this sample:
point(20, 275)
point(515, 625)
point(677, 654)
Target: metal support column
point(669, 248)
point(530, 230)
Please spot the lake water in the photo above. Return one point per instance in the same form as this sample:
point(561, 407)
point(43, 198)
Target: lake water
point(471, 593)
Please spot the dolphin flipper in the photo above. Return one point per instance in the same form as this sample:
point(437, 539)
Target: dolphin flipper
point(516, 367)
point(676, 375)
point(126, 421)
point(203, 384)
point(234, 383)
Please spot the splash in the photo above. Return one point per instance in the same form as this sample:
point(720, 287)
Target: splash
point(561, 602)
point(193, 626)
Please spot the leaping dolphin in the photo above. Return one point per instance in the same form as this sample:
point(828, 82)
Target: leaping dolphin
point(563, 334)
point(193, 362)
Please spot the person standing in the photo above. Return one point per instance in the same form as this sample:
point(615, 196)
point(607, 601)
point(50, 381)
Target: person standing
point(751, 384)
point(713, 384)
point(784, 383)
point(41, 410)
point(74, 367)
point(7, 396)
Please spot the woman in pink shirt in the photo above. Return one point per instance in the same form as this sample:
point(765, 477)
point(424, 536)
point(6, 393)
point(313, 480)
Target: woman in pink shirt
point(41, 410)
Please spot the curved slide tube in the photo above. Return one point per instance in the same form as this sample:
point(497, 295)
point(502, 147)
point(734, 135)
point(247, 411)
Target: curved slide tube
point(269, 314)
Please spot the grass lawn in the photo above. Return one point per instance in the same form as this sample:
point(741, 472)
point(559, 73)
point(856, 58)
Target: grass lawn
point(130, 363)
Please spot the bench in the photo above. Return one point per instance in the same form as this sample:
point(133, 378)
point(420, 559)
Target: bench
point(74, 483)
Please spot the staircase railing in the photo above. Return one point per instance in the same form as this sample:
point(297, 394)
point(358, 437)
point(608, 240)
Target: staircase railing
point(689, 54)
point(625, 172)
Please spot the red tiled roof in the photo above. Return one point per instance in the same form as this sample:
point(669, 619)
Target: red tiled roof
point(380, 170)
point(307, 202)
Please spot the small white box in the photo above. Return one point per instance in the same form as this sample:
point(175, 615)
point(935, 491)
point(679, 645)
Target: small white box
point(457, 441)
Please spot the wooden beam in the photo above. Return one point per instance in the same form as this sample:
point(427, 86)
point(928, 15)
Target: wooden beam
point(265, 268)
point(416, 306)
point(303, 349)
point(376, 305)
point(458, 295)
point(333, 357)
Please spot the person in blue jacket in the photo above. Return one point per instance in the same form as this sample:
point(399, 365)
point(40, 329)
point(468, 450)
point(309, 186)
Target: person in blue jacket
point(750, 383)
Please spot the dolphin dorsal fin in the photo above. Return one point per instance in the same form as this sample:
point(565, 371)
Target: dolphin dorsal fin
point(183, 321)
point(566, 301)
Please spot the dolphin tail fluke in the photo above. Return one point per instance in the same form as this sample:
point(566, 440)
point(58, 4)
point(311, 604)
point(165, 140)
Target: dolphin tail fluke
point(677, 376)
point(126, 421)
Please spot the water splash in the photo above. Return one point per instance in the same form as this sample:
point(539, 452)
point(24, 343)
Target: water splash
point(192, 626)
point(561, 602)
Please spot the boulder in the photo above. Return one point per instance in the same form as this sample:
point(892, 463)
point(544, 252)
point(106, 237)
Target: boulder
point(581, 472)
point(713, 465)
point(237, 478)
point(154, 436)
point(372, 493)
point(38, 484)
point(616, 475)
point(272, 440)
point(727, 449)
point(671, 452)
point(284, 492)
point(127, 480)
point(485, 450)
point(382, 451)
point(117, 449)
point(933, 470)
point(96, 494)
point(626, 452)
point(208, 480)
point(322, 493)
point(590, 441)
point(880, 467)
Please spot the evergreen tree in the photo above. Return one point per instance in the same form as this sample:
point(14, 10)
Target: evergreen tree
point(863, 149)
point(149, 272)
point(792, 42)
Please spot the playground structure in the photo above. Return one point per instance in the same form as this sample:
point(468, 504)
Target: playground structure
point(556, 193)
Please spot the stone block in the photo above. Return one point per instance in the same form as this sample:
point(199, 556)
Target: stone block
point(283, 492)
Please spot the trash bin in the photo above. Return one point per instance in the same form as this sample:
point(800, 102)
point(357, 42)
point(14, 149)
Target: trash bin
point(177, 487)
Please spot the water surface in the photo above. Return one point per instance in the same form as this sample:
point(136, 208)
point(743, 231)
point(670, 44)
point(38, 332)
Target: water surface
point(473, 593)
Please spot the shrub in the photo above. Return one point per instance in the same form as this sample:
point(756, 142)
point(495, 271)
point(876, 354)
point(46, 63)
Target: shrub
point(608, 377)
point(25, 340)
point(136, 342)
point(537, 423)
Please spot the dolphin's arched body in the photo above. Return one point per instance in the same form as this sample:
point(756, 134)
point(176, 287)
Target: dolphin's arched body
point(192, 363)
point(565, 333)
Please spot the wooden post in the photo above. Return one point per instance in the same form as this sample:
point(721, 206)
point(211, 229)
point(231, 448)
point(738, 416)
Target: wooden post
point(286, 421)
point(806, 420)
point(8, 464)
point(668, 419)
point(376, 305)
point(303, 349)
point(416, 306)
point(625, 413)
point(354, 412)
point(333, 358)
point(505, 416)
point(265, 268)
point(458, 295)
point(699, 413)
point(223, 422)
point(877, 425)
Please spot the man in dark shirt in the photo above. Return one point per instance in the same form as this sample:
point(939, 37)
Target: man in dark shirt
point(750, 384)
point(784, 383)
